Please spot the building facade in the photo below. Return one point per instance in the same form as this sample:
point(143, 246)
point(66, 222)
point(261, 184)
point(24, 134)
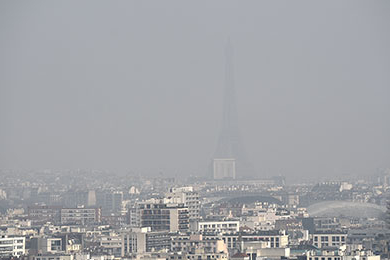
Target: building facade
point(80, 216)
point(187, 196)
point(225, 226)
point(12, 246)
point(160, 216)
point(329, 239)
point(143, 240)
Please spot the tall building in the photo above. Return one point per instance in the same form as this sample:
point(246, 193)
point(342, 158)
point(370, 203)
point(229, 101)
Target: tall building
point(109, 201)
point(91, 198)
point(75, 198)
point(160, 216)
point(229, 158)
point(187, 196)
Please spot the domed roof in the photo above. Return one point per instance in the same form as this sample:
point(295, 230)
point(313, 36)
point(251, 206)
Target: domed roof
point(345, 208)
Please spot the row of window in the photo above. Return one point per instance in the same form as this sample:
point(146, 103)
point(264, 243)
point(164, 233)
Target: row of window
point(217, 225)
point(10, 241)
point(324, 258)
point(208, 257)
point(334, 238)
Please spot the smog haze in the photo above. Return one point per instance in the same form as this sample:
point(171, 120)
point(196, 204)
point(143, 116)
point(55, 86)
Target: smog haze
point(138, 86)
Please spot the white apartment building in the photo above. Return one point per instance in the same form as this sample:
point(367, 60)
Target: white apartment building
point(190, 244)
point(52, 257)
point(12, 246)
point(342, 255)
point(272, 239)
point(111, 243)
point(142, 240)
point(225, 226)
point(329, 239)
point(187, 196)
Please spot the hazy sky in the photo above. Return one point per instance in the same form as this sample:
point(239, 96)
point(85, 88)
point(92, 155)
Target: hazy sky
point(138, 85)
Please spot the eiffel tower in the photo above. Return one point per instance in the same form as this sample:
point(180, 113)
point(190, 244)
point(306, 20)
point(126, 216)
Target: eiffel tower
point(229, 161)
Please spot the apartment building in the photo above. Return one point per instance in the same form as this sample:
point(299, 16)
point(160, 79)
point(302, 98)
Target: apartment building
point(190, 244)
point(12, 246)
point(81, 216)
point(160, 216)
point(143, 240)
point(223, 226)
point(329, 239)
point(187, 196)
point(274, 238)
point(44, 214)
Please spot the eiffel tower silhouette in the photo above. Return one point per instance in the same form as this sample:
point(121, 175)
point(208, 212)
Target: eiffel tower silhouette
point(230, 148)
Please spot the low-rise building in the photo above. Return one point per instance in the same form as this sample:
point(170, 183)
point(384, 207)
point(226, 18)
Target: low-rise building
point(190, 244)
point(81, 216)
point(276, 239)
point(339, 254)
point(59, 243)
point(110, 244)
point(144, 240)
point(224, 226)
point(329, 239)
point(43, 214)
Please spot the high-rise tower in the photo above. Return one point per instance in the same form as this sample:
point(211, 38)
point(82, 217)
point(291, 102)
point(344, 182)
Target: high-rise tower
point(229, 160)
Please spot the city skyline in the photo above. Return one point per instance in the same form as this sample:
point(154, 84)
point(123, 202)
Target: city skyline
point(194, 130)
